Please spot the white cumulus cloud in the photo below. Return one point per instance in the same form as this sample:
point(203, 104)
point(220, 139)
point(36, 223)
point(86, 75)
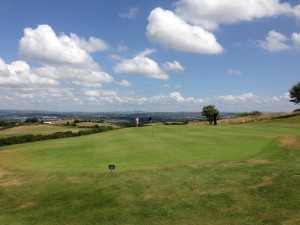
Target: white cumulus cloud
point(234, 72)
point(65, 59)
point(124, 83)
point(97, 93)
point(241, 98)
point(19, 73)
point(92, 45)
point(175, 65)
point(141, 65)
point(130, 14)
point(177, 86)
point(43, 45)
point(77, 75)
point(209, 14)
point(166, 28)
point(250, 102)
point(275, 42)
point(296, 39)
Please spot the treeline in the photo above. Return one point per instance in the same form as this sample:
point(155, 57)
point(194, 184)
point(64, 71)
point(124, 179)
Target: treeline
point(33, 138)
point(7, 123)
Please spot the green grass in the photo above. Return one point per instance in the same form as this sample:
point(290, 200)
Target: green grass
point(238, 174)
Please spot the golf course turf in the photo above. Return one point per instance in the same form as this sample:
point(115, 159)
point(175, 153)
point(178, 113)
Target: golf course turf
point(234, 174)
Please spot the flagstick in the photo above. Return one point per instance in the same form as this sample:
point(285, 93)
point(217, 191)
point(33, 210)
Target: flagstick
point(152, 128)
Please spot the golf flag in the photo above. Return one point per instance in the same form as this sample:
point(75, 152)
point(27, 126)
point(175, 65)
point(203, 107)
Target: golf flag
point(150, 120)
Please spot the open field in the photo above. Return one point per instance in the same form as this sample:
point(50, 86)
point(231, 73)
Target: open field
point(92, 124)
point(36, 129)
point(233, 174)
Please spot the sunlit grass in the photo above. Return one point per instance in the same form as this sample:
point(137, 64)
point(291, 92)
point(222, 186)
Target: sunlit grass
point(238, 174)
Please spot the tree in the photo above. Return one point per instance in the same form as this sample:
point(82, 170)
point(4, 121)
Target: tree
point(210, 112)
point(295, 93)
point(32, 120)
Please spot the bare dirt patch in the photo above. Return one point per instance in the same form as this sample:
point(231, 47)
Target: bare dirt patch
point(12, 182)
point(147, 197)
point(26, 205)
point(2, 172)
point(230, 164)
point(7, 182)
point(74, 179)
point(290, 141)
point(259, 161)
point(266, 181)
point(294, 221)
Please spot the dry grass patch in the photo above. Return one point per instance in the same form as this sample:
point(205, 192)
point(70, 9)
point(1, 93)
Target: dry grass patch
point(11, 182)
point(290, 141)
point(26, 205)
point(43, 129)
point(258, 161)
point(8, 182)
point(2, 172)
point(266, 181)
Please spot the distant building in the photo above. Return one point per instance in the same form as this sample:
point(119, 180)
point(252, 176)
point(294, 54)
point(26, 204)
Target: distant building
point(47, 122)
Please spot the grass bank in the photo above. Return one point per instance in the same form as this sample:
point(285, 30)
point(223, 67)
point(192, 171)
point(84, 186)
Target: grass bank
point(237, 174)
point(42, 129)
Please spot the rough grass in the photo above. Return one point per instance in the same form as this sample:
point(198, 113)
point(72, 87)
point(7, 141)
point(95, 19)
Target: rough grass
point(36, 129)
point(238, 174)
point(92, 124)
point(269, 118)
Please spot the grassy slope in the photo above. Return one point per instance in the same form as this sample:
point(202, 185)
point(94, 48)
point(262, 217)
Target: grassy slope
point(36, 129)
point(239, 174)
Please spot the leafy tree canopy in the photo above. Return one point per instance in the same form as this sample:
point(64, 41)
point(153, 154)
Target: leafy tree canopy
point(209, 111)
point(295, 93)
point(31, 120)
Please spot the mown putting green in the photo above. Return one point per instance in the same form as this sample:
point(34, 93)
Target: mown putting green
point(238, 174)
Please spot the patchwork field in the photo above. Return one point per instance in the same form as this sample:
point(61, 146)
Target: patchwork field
point(233, 174)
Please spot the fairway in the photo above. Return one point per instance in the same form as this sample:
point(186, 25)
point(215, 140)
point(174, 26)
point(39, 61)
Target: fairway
point(237, 174)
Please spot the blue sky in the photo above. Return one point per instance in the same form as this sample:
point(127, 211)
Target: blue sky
point(113, 55)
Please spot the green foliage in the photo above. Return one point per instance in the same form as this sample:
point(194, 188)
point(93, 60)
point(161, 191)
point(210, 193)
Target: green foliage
point(7, 123)
point(295, 93)
point(209, 111)
point(32, 120)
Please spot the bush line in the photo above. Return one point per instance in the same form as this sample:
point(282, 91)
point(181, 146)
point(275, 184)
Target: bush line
point(33, 138)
